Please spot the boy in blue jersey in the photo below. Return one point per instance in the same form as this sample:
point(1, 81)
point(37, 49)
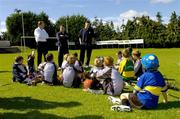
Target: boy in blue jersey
point(148, 88)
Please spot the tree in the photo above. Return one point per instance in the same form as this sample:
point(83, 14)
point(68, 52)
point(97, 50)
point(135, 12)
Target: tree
point(105, 31)
point(14, 25)
point(159, 17)
point(49, 26)
point(173, 31)
point(73, 25)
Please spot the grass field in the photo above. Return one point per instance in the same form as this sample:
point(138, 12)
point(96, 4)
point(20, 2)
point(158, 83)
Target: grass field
point(19, 101)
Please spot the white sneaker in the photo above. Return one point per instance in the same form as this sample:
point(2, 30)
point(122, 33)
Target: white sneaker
point(114, 100)
point(96, 91)
point(121, 108)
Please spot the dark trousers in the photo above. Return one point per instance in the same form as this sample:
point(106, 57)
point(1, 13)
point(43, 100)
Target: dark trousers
point(76, 82)
point(88, 50)
point(42, 50)
point(96, 85)
point(61, 52)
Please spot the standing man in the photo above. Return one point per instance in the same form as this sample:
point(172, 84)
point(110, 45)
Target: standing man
point(62, 43)
point(86, 37)
point(41, 37)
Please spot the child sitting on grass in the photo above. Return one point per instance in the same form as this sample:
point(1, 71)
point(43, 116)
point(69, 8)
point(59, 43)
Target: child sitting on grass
point(110, 78)
point(148, 88)
point(138, 70)
point(70, 76)
point(120, 58)
point(30, 62)
point(50, 71)
point(78, 65)
point(126, 68)
point(20, 72)
point(64, 63)
point(91, 82)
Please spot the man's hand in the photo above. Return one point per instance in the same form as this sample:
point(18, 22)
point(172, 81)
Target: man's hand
point(80, 41)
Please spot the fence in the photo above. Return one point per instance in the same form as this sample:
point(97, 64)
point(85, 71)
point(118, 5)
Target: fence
point(30, 42)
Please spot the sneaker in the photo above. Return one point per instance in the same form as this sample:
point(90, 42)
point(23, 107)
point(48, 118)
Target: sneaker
point(114, 100)
point(86, 66)
point(85, 90)
point(126, 84)
point(34, 83)
point(121, 108)
point(96, 91)
point(59, 69)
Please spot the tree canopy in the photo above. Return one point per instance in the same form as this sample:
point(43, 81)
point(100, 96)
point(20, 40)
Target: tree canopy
point(154, 32)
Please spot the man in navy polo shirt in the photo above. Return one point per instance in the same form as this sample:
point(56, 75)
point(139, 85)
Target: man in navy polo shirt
point(86, 36)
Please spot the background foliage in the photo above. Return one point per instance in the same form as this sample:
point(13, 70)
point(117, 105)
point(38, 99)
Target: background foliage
point(154, 32)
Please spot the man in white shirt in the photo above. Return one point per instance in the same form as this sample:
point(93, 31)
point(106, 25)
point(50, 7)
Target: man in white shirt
point(41, 37)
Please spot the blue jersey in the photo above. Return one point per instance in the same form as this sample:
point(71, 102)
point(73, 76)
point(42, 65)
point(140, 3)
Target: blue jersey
point(149, 87)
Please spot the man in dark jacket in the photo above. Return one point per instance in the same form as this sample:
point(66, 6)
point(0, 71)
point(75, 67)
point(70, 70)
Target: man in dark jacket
point(86, 36)
point(62, 43)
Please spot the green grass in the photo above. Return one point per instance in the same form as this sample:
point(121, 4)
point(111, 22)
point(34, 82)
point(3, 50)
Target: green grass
point(55, 102)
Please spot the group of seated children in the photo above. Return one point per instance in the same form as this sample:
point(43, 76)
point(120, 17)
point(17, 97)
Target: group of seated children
point(103, 77)
point(129, 64)
point(147, 89)
point(72, 71)
point(47, 71)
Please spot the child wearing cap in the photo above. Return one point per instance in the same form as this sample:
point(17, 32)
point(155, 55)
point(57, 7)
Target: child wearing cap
point(126, 67)
point(148, 88)
point(138, 70)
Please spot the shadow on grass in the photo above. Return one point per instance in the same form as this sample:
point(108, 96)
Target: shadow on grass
point(169, 105)
point(6, 84)
point(169, 79)
point(39, 115)
point(5, 71)
point(22, 103)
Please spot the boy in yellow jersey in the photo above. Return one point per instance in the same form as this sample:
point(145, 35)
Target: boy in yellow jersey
point(126, 67)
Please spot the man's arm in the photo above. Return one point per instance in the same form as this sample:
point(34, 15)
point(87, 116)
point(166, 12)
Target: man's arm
point(93, 36)
point(80, 36)
point(58, 40)
point(37, 34)
point(46, 35)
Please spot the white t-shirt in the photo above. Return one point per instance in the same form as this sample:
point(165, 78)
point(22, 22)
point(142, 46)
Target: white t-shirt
point(40, 35)
point(77, 66)
point(68, 76)
point(95, 70)
point(64, 64)
point(49, 70)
